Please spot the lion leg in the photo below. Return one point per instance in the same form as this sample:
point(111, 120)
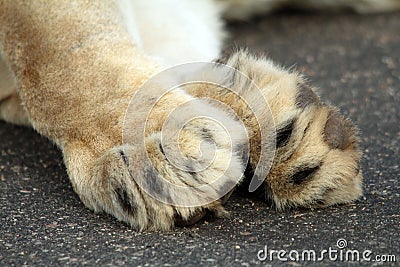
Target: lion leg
point(11, 109)
point(77, 91)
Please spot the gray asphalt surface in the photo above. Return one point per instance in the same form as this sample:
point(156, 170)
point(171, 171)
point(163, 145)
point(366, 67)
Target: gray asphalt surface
point(354, 59)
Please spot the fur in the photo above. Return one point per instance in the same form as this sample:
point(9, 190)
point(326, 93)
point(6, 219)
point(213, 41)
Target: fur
point(70, 68)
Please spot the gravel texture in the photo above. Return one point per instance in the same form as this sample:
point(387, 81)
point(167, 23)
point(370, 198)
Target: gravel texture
point(353, 59)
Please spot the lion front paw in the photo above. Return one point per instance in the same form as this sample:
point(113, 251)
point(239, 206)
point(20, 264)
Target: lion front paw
point(158, 196)
point(161, 184)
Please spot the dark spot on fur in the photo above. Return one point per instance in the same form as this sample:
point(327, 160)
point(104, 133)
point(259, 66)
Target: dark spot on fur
point(124, 200)
point(358, 168)
point(306, 129)
point(337, 131)
point(303, 175)
point(190, 168)
point(124, 158)
point(205, 133)
point(222, 60)
point(283, 134)
point(152, 182)
point(161, 149)
point(306, 96)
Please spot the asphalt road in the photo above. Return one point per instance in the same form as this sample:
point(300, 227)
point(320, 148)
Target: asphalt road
point(354, 59)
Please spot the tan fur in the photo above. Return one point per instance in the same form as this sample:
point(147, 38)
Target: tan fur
point(73, 72)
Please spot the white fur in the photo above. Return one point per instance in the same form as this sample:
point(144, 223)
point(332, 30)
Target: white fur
point(175, 31)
